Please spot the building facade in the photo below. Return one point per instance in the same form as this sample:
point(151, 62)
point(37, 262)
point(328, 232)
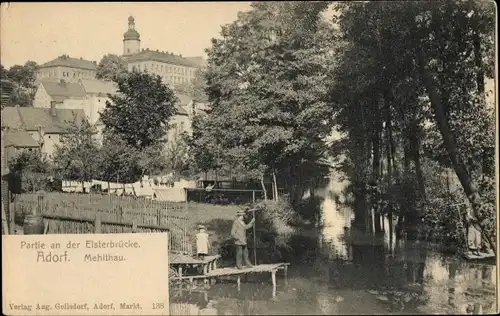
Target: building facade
point(46, 126)
point(87, 95)
point(68, 69)
point(174, 69)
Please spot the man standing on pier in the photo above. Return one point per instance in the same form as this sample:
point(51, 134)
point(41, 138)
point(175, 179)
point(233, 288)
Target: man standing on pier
point(239, 235)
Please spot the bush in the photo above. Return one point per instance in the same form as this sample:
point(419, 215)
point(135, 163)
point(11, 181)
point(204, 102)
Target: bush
point(274, 220)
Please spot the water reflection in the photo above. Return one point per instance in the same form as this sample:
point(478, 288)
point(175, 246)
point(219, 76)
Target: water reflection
point(386, 275)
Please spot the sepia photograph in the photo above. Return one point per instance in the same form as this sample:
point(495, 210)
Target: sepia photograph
point(249, 158)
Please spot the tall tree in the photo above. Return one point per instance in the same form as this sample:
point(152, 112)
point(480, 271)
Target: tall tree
point(426, 62)
point(117, 160)
point(76, 158)
point(140, 112)
point(265, 83)
point(111, 67)
point(23, 78)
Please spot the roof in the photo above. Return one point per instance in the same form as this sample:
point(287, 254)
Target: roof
point(29, 119)
point(67, 61)
point(180, 110)
point(184, 99)
point(131, 35)
point(200, 61)
point(164, 57)
point(60, 91)
point(19, 139)
point(99, 87)
point(203, 106)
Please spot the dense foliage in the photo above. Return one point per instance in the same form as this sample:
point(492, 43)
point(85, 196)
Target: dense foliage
point(410, 84)
point(404, 83)
point(265, 83)
point(19, 83)
point(140, 112)
point(111, 67)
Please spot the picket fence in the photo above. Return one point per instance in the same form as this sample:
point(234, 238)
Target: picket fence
point(96, 213)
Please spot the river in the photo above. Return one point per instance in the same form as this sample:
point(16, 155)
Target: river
point(369, 276)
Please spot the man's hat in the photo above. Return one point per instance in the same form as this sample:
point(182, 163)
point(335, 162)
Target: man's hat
point(202, 227)
point(240, 212)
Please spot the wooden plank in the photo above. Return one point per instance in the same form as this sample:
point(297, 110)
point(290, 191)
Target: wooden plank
point(480, 256)
point(186, 259)
point(263, 268)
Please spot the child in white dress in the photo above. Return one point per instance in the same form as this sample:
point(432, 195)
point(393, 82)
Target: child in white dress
point(202, 242)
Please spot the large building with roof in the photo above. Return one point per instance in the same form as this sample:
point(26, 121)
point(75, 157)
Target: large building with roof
point(91, 96)
point(174, 69)
point(25, 127)
point(68, 69)
point(87, 95)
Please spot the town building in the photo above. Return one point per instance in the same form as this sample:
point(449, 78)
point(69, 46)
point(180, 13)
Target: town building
point(58, 92)
point(174, 69)
point(87, 95)
point(44, 125)
point(91, 96)
point(68, 69)
point(186, 109)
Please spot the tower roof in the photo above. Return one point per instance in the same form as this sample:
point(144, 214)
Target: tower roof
point(131, 33)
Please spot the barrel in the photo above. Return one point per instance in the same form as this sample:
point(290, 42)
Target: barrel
point(33, 225)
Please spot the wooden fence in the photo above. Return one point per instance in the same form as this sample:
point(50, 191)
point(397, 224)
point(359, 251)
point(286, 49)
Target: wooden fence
point(96, 213)
point(223, 196)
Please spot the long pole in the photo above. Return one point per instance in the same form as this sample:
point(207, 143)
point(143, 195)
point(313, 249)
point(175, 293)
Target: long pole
point(5, 226)
point(254, 240)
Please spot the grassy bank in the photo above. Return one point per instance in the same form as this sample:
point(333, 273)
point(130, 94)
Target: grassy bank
point(276, 223)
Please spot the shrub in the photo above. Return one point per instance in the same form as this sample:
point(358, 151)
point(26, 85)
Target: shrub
point(274, 220)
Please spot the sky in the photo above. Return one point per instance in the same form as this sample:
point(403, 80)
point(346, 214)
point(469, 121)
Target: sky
point(43, 31)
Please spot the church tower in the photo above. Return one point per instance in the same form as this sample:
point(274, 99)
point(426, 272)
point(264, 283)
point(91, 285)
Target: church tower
point(131, 39)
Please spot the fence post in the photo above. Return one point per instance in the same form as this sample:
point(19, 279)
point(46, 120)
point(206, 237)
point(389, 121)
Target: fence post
point(158, 216)
point(134, 226)
point(253, 197)
point(12, 213)
point(97, 224)
point(38, 210)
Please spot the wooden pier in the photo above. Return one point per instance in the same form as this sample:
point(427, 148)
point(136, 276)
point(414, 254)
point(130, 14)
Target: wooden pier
point(180, 261)
point(212, 274)
point(486, 256)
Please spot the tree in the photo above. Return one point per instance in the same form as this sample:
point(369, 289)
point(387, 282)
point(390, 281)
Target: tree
point(3, 72)
point(23, 79)
point(76, 158)
point(176, 153)
point(432, 60)
point(117, 161)
point(33, 168)
point(265, 83)
point(140, 112)
point(196, 88)
point(111, 67)
point(151, 160)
